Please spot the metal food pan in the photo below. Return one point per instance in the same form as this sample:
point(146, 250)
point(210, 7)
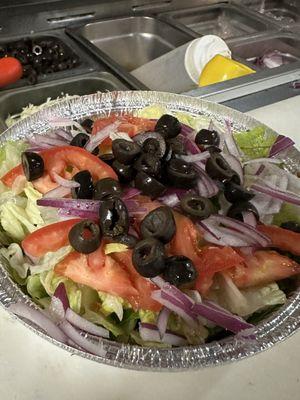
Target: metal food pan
point(13, 101)
point(283, 12)
point(224, 20)
point(132, 41)
point(252, 48)
point(86, 62)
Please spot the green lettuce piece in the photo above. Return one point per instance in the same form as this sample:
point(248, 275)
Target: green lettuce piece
point(112, 304)
point(288, 212)
point(148, 317)
point(35, 288)
point(129, 320)
point(255, 143)
point(50, 281)
point(105, 321)
point(15, 258)
point(156, 111)
point(50, 259)
point(10, 155)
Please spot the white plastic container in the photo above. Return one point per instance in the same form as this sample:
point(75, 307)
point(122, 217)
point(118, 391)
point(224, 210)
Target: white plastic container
point(179, 70)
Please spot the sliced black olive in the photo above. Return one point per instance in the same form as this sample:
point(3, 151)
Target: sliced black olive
point(181, 174)
point(113, 217)
point(236, 210)
point(206, 137)
point(86, 188)
point(107, 187)
point(33, 165)
point(85, 237)
point(124, 151)
point(235, 193)
point(291, 226)
point(141, 138)
point(160, 224)
point(32, 77)
point(148, 257)
point(87, 124)
point(108, 158)
point(213, 149)
point(151, 146)
point(197, 206)
point(148, 185)
point(128, 240)
point(179, 270)
point(80, 140)
point(168, 126)
point(126, 173)
point(218, 168)
point(148, 163)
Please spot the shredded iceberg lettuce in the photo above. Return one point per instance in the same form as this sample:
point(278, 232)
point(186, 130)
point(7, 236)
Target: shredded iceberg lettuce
point(255, 143)
point(10, 155)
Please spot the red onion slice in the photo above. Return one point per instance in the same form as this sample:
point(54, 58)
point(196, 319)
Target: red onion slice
point(150, 333)
point(59, 191)
point(85, 325)
point(263, 160)
point(104, 133)
point(176, 306)
point(289, 197)
point(230, 142)
point(196, 157)
point(235, 164)
point(78, 213)
point(162, 321)
point(65, 182)
point(190, 145)
point(63, 134)
point(170, 200)
point(39, 319)
point(249, 218)
point(61, 122)
point(281, 143)
point(130, 193)
point(221, 317)
point(77, 204)
point(79, 340)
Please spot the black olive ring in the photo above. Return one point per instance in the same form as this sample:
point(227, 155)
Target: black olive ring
point(84, 244)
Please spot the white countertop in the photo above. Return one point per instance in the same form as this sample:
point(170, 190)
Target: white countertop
point(33, 369)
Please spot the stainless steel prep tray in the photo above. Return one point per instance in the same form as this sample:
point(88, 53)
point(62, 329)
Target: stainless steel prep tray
point(283, 12)
point(87, 63)
point(250, 48)
point(12, 101)
point(224, 20)
point(132, 41)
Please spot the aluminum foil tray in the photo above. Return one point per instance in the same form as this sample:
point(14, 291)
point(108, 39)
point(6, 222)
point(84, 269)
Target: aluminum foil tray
point(280, 325)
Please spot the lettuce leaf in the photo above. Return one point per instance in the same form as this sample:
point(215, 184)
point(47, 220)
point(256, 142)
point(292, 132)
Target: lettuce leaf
point(113, 304)
point(10, 155)
point(16, 260)
point(255, 143)
point(245, 302)
point(50, 259)
point(35, 288)
point(100, 319)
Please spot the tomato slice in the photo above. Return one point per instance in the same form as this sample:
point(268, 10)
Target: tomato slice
point(111, 277)
point(58, 160)
point(213, 259)
point(142, 285)
point(282, 238)
point(129, 124)
point(262, 268)
point(49, 238)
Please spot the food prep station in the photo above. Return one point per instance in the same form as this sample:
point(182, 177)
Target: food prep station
point(101, 42)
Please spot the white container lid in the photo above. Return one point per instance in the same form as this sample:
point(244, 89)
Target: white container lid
point(201, 51)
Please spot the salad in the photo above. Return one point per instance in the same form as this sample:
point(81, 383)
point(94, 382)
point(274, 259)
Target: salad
point(158, 229)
